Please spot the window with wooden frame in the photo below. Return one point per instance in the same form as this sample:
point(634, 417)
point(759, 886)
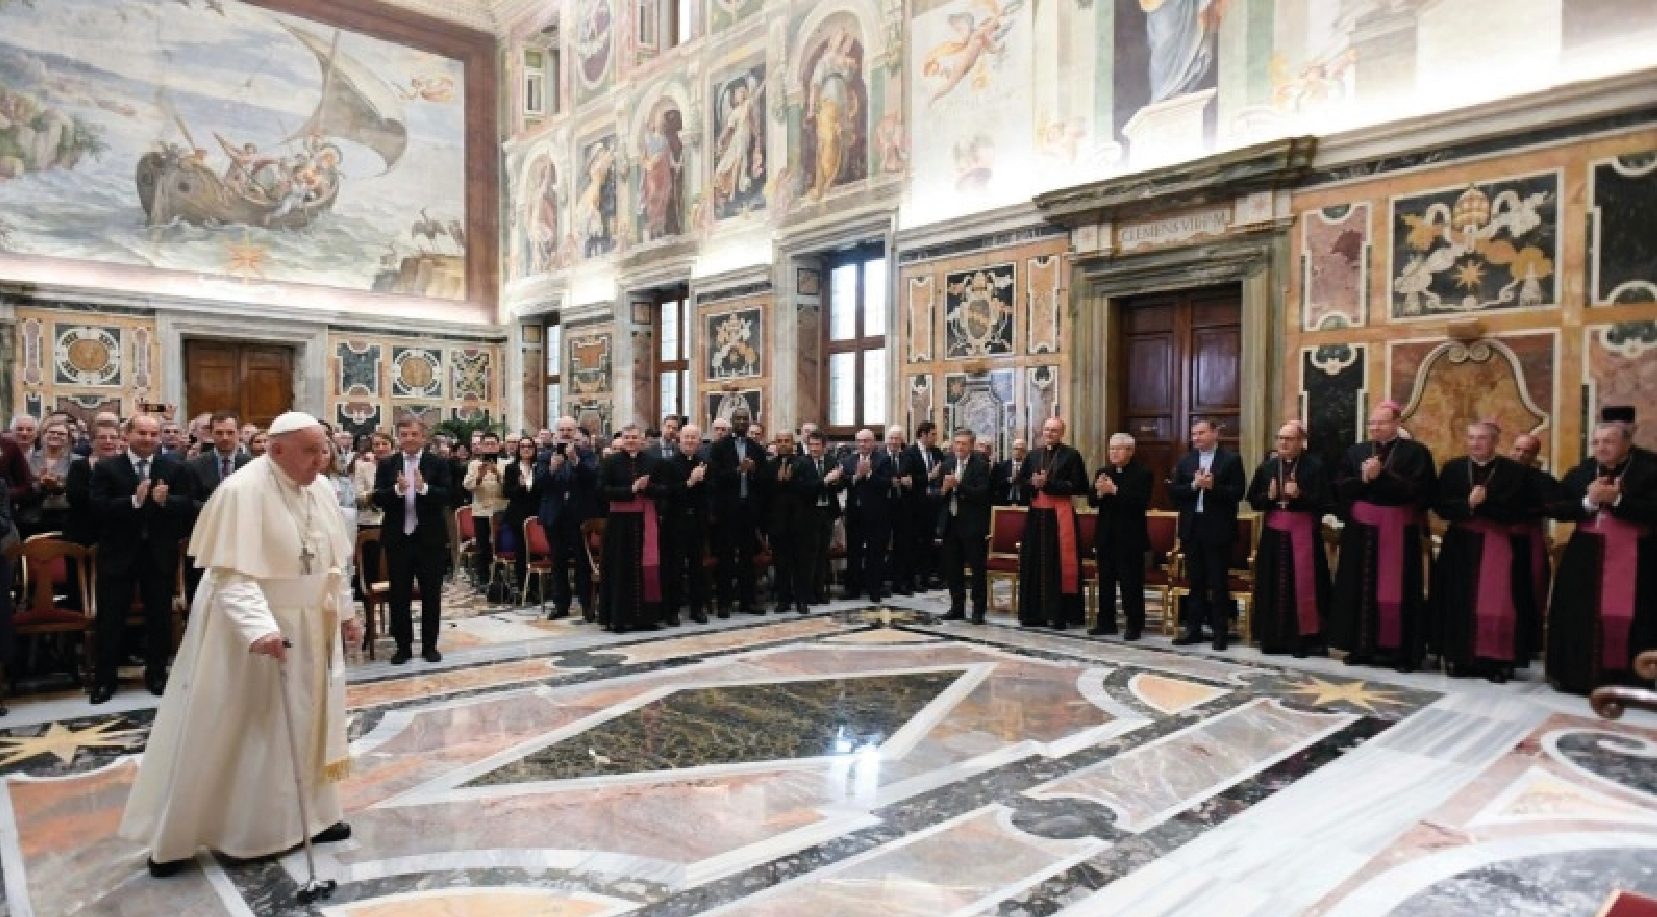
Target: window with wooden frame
point(665, 24)
point(855, 390)
point(552, 337)
point(672, 314)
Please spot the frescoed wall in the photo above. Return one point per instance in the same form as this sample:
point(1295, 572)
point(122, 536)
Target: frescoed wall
point(234, 143)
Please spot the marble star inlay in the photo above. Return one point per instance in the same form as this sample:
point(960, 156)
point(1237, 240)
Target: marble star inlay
point(65, 743)
point(1357, 693)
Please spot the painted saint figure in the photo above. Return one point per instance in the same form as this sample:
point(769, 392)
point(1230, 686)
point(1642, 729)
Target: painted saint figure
point(1182, 36)
point(661, 174)
point(834, 106)
point(740, 165)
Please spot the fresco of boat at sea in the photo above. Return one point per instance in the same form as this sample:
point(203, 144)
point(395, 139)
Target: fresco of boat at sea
point(273, 191)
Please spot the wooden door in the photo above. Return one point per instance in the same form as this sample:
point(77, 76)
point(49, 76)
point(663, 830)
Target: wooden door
point(1179, 360)
point(253, 380)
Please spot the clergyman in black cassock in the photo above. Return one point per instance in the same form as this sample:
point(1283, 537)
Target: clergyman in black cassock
point(789, 483)
point(1122, 494)
point(1049, 556)
point(684, 514)
point(867, 477)
point(1384, 486)
point(1291, 491)
point(1208, 483)
point(1605, 592)
point(630, 584)
point(1480, 607)
point(964, 525)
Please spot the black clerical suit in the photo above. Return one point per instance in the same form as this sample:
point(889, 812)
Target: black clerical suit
point(736, 535)
point(684, 512)
point(790, 485)
point(868, 523)
point(1007, 488)
point(137, 547)
point(964, 527)
point(416, 551)
point(1207, 529)
point(1119, 543)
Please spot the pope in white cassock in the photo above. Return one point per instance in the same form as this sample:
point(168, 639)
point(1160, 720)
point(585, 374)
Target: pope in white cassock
point(218, 772)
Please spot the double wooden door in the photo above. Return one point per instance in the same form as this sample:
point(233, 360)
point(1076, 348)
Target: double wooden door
point(253, 380)
point(1179, 360)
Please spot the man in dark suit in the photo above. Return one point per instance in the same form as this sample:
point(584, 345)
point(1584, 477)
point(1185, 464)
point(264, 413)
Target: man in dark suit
point(926, 500)
point(964, 524)
point(790, 484)
point(825, 508)
point(142, 499)
point(1122, 493)
point(733, 463)
point(902, 507)
point(1007, 488)
point(567, 479)
point(866, 475)
point(207, 471)
point(1208, 484)
point(684, 532)
point(411, 487)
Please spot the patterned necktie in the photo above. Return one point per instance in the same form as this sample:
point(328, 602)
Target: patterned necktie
point(143, 469)
point(410, 519)
point(224, 469)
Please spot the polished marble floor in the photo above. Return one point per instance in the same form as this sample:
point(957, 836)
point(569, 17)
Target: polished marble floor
point(881, 762)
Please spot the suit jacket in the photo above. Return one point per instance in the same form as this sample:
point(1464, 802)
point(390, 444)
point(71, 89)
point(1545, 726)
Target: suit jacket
point(825, 490)
point(788, 502)
point(915, 460)
point(970, 498)
point(1121, 528)
point(724, 470)
point(680, 501)
point(569, 496)
point(82, 526)
point(868, 500)
point(1003, 490)
point(430, 508)
point(1217, 523)
point(147, 534)
point(206, 476)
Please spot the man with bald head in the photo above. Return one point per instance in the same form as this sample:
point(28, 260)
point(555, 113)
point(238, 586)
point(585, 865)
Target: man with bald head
point(142, 501)
point(567, 480)
point(1385, 485)
point(217, 772)
point(1482, 615)
point(684, 506)
point(1007, 486)
point(866, 476)
point(1604, 610)
point(1291, 572)
point(1050, 555)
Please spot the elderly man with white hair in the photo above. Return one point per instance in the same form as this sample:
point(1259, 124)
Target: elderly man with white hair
point(217, 772)
point(1605, 594)
point(1122, 494)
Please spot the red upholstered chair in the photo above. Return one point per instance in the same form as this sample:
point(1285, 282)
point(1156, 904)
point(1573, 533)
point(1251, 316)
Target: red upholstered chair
point(1162, 527)
point(1087, 528)
point(503, 568)
point(1006, 530)
point(1239, 578)
point(538, 557)
point(46, 574)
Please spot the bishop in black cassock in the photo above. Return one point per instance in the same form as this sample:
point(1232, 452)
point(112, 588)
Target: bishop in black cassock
point(1049, 557)
point(1291, 491)
point(630, 591)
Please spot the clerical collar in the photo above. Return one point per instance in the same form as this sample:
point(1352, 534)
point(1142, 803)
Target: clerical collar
point(1483, 463)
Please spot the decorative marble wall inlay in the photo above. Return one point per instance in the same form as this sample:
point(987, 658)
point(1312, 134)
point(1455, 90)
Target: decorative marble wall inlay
point(588, 362)
point(1485, 246)
point(1619, 366)
point(735, 344)
point(1332, 389)
point(141, 358)
point(1622, 242)
point(359, 416)
point(87, 355)
point(1041, 399)
point(416, 372)
point(1444, 386)
point(918, 328)
point(978, 312)
point(1334, 267)
point(31, 334)
point(1043, 305)
point(358, 368)
point(472, 372)
point(984, 404)
point(920, 400)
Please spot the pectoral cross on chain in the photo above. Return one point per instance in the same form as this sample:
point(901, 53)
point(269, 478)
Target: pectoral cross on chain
point(306, 555)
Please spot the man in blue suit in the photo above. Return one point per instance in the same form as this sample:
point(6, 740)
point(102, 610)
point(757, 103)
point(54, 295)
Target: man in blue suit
point(567, 482)
point(1208, 484)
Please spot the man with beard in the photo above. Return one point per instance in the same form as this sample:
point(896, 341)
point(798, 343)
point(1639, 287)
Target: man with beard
point(1049, 557)
point(1207, 485)
point(964, 523)
point(1291, 491)
point(866, 475)
point(790, 484)
point(733, 463)
point(684, 509)
point(1122, 494)
point(1605, 599)
point(630, 591)
point(1479, 608)
point(1384, 485)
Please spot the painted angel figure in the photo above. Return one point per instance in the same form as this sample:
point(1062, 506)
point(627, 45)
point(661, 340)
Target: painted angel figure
point(741, 150)
point(977, 42)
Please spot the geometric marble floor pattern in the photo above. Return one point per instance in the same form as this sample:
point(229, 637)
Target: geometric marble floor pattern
point(878, 762)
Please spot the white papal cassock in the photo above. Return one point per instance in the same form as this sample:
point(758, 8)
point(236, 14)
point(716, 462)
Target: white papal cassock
point(217, 771)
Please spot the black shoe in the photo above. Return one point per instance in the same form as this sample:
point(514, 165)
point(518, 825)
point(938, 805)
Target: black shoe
point(403, 655)
point(1188, 639)
point(800, 609)
point(1058, 625)
point(671, 620)
point(1101, 632)
point(102, 693)
point(955, 614)
point(1219, 644)
point(168, 869)
point(698, 616)
point(332, 834)
point(752, 611)
point(1356, 659)
point(906, 592)
point(432, 655)
point(156, 682)
point(978, 617)
point(557, 613)
point(1405, 668)
point(1131, 635)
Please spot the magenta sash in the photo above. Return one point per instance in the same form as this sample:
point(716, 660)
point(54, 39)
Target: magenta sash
point(1389, 523)
point(1536, 536)
point(1069, 569)
point(1302, 531)
point(1616, 584)
point(1494, 615)
point(652, 549)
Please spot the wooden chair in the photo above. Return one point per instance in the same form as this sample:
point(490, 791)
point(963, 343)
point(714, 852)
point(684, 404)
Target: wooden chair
point(1006, 530)
point(538, 558)
point(467, 530)
point(1239, 577)
point(46, 563)
point(503, 565)
point(375, 586)
point(1087, 530)
point(1162, 562)
point(592, 538)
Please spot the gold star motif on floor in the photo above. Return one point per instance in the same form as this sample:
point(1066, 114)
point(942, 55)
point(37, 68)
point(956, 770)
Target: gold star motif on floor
point(1356, 693)
point(65, 743)
point(245, 259)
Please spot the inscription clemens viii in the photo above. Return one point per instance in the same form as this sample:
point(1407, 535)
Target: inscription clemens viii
point(1181, 228)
